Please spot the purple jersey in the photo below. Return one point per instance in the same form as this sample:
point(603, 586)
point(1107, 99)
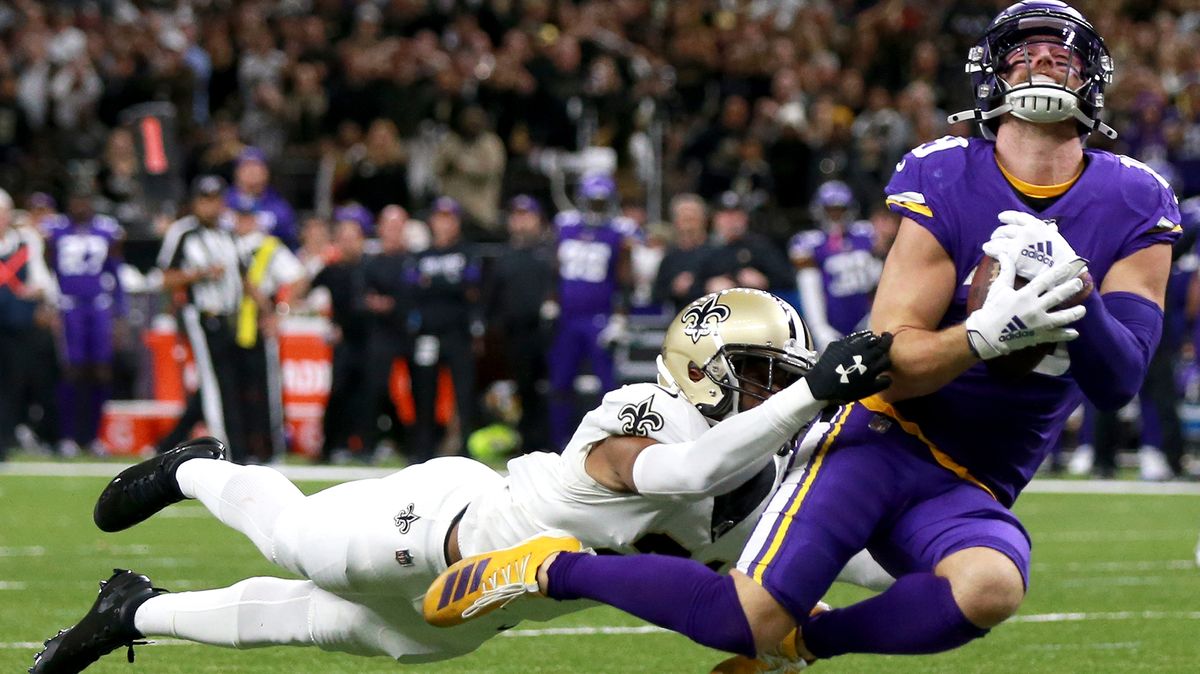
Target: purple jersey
point(82, 257)
point(999, 431)
point(587, 263)
point(849, 270)
point(275, 215)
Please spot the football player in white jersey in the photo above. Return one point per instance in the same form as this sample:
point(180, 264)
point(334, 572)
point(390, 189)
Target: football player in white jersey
point(682, 467)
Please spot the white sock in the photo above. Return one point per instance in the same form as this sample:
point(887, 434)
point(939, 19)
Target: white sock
point(246, 498)
point(268, 612)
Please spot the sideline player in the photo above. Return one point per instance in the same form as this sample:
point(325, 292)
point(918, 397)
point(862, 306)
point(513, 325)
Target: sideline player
point(925, 474)
point(836, 269)
point(681, 467)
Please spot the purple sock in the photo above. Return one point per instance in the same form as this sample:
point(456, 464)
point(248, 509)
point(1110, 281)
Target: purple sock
point(680, 594)
point(916, 615)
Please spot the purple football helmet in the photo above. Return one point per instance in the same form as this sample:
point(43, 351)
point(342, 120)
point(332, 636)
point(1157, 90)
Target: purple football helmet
point(1039, 98)
point(597, 187)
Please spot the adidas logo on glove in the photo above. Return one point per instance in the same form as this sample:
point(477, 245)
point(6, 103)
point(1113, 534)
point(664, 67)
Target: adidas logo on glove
point(1015, 330)
point(1040, 251)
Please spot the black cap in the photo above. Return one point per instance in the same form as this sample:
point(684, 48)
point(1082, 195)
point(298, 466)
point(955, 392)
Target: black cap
point(207, 186)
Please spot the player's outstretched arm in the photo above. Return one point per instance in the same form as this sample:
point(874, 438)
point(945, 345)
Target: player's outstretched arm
point(914, 292)
point(733, 450)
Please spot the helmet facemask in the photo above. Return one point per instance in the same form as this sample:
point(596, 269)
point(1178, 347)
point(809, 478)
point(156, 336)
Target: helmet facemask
point(1075, 91)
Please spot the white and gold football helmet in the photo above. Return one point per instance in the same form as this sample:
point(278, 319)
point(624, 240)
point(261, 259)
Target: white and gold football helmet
point(712, 344)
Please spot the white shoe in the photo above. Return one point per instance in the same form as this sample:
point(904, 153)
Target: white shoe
point(1081, 460)
point(1152, 465)
point(1197, 553)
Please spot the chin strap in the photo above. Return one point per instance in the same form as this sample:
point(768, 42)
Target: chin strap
point(980, 116)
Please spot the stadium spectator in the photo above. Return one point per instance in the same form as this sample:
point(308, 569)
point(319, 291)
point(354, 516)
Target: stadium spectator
point(345, 281)
point(380, 176)
point(448, 328)
point(470, 169)
point(389, 301)
point(741, 258)
point(24, 282)
point(675, 286)
point(521, 280)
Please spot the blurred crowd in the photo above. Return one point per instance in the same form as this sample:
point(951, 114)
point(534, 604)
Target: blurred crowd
point(501, 188)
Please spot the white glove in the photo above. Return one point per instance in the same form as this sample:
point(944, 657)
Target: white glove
point(1011, 320)
point(1036, 245)
point(615, 331)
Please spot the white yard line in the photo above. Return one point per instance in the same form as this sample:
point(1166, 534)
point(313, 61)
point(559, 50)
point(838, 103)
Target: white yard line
point(344, 473)
point(650, 629)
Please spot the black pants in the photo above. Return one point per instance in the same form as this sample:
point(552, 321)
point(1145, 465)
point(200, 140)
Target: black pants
point(16, 373)
point(452, 349)
point(383, 347)
point(526, 346)
point(216, 356)
point(343, 414)
point(261, 398)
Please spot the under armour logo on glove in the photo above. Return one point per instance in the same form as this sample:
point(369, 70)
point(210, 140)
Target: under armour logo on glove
point(852, 367)
point(856, 368)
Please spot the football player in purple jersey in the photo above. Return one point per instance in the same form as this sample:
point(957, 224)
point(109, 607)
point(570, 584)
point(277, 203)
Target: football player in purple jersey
point(924, 475)
point(592, 252)
point(84, 254)
point(837, 270)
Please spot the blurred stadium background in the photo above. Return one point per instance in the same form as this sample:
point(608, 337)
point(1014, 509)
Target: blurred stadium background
point(322, 113)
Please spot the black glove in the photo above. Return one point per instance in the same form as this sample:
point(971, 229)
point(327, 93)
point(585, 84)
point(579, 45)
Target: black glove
point(852, 368)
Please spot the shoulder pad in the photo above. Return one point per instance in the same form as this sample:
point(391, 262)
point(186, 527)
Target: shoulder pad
point(647, 410)
point(803, 244)
point(1146, 192)
point(107, 224)
point(568, 218)
point(925, 170)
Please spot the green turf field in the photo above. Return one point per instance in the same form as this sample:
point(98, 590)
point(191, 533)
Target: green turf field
point(1114, 588)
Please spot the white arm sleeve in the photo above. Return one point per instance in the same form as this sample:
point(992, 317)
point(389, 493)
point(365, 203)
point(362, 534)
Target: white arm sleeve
point(812, 300)
point(719, 459)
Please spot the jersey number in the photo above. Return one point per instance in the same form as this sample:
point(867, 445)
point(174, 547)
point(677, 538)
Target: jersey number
point(852, 273)
point(583, 260)
point(81, 255)
point(943, 143)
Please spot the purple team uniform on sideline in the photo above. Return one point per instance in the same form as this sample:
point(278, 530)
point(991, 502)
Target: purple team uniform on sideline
point(936, 474)
point(82, 258)
point(587, 273)
point(275, 215)
point(849, 271)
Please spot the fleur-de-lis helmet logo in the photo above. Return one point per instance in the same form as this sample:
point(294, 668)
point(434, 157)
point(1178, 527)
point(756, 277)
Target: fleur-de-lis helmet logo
point(702, 319)
point(640, 419)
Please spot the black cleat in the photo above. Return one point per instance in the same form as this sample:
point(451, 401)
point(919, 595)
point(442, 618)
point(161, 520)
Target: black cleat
point(142, 490)
point(105, 628)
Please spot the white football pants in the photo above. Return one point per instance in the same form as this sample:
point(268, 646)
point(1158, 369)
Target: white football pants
point(367, 550)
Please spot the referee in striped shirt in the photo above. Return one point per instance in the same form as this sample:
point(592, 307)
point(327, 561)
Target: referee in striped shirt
point(199, 261)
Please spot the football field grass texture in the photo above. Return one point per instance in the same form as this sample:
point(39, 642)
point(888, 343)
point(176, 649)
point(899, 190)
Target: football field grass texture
point(1114, 588)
